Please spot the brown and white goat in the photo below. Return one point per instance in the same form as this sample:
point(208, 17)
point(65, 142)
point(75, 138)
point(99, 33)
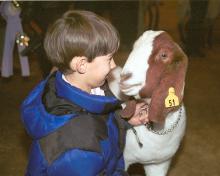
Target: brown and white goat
point(155, 64)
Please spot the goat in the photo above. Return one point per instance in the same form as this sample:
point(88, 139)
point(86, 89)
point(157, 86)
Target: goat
point(155, 65)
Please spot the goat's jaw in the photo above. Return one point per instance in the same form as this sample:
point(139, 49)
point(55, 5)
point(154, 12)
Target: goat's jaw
point(131, 90)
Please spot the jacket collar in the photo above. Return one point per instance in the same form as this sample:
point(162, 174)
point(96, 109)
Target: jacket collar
point(91, 103)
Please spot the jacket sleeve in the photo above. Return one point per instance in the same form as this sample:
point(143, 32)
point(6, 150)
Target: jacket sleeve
point(77, 163)
point(120, 168)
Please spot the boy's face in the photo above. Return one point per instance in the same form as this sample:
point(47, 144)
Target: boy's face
point(98, 69)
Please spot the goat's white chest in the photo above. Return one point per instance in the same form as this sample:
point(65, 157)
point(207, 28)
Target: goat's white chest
point(156, 148)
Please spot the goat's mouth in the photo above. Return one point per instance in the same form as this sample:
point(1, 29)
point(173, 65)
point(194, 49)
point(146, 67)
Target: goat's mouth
point(124, 86)
point(130, 90)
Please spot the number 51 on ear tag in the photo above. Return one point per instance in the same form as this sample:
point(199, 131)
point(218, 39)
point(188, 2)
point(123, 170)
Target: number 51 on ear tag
point(171, 100)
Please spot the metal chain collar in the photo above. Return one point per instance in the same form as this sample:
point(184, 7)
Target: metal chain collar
point(149, 126)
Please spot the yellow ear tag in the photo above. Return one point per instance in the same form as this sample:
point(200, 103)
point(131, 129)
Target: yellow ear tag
point(172, 100)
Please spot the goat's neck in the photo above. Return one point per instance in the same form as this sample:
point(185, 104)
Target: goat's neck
point(171, 119)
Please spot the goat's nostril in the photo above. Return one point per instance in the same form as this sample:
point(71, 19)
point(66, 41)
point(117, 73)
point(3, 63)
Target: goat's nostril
point(122, 86)
point(125, 86)
point(125, 77)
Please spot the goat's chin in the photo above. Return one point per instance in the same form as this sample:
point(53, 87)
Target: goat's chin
point(131, 90)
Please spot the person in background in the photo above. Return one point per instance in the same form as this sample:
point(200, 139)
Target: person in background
point(36, 18)
point(212, 14)
point(195, 37)
point(11, 13)
point(2, 36)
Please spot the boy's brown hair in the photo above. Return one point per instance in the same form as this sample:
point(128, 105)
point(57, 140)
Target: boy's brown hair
point(79, 33)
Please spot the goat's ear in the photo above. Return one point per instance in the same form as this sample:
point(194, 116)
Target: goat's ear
point(173, 76)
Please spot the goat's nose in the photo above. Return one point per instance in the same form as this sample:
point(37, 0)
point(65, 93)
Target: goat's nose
point(124, 86)
point(125, 77)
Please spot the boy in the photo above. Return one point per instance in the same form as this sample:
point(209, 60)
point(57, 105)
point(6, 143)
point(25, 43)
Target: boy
point(75, 132)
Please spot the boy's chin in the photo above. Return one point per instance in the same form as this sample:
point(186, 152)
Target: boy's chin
point(101, 83)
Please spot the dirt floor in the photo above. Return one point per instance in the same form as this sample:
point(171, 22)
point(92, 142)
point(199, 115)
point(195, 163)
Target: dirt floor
point(199, 153)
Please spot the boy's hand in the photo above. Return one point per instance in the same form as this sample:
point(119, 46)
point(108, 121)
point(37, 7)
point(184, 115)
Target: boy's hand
point(140, 116)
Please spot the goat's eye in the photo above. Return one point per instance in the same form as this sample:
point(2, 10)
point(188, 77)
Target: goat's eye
point(176, 62)
point(163, 55)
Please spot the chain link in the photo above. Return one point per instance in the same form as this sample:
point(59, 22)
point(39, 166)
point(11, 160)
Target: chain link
point(149, 126)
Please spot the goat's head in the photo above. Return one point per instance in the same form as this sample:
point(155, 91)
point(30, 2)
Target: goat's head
point(155, 64)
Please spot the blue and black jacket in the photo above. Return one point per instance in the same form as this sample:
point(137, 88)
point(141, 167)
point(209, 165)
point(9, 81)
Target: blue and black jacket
point(74, 133)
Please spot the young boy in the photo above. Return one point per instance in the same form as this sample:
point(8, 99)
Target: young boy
point(73, 123)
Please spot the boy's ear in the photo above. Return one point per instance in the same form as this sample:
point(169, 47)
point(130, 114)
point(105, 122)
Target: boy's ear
point(79, 64)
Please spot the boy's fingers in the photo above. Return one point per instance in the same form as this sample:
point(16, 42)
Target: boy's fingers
point(144, 120)
point(140, 105)
point(143, 116)
point(135, 121)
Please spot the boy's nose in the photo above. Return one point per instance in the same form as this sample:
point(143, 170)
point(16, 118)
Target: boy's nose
point(112, 64)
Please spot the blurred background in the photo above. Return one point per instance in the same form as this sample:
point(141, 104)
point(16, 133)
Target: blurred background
point(194, 25)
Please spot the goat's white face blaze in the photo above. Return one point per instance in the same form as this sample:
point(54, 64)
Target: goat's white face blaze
point(132, 81)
